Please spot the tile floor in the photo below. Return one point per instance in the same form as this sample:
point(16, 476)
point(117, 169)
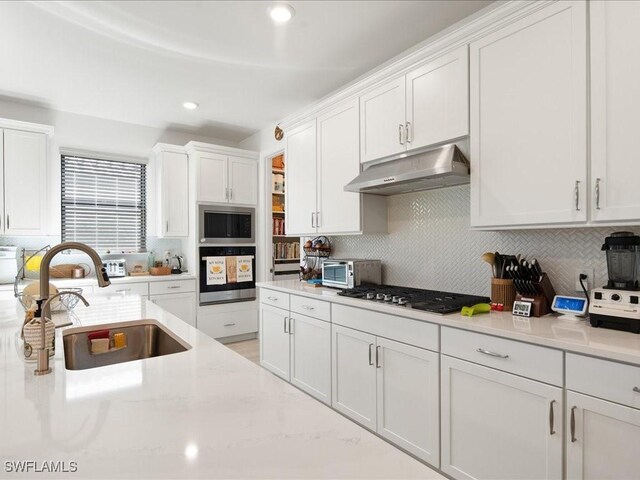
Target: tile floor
point(250, 349)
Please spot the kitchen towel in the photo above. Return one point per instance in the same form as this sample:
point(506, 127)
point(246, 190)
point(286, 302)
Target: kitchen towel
point(232, 269)
point(216, 271)
point(245, 268)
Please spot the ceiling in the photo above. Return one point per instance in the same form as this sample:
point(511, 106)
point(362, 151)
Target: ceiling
point(138, 61)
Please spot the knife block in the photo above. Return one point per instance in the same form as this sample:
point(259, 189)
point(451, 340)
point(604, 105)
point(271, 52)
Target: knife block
point(542, 301)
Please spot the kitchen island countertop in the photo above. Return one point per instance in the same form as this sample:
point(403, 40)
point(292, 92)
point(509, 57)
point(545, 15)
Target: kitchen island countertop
point(203, 413)
point(549, 331)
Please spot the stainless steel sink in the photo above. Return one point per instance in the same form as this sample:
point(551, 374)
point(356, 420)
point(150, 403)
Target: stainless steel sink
point(143, 339)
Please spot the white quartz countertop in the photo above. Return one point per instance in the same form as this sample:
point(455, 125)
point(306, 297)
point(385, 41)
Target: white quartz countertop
point(549, 331)
point(203, 413)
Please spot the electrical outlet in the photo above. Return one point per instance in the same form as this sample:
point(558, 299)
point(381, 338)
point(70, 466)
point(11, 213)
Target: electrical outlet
point(589, 282)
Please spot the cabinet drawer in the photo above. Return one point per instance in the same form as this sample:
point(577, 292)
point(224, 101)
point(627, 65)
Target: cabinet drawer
point(311, 307)
point(405, 330)
point(539, 363)
point(172, 286)
point(604, 379)
point(126, 289)
point(228, 324)
point(275, 298)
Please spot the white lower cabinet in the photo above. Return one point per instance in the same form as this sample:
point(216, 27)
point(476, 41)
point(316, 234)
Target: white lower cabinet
point(297, 348)
point(602, 439)
point(388, 387)
point(182, 305)
point(499, 425)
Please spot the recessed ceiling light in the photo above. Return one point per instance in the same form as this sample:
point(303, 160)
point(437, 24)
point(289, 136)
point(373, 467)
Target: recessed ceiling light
point(190, 105)
point(281, 12)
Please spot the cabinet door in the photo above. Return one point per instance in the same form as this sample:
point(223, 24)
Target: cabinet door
point(311, 356)
point(338, 164)
point(408, 398)
point(243, 181)
point(603, 442)
point(353, 377)
point(182, 305)
point(615, 110)
point(1, 181)
point(498, 425)
point(274, 340)
point(25, 163)
point(438, 100)
point(300, 189)
point(212, 178)
point(173, 192)
point(528, 120)
point(382, 119)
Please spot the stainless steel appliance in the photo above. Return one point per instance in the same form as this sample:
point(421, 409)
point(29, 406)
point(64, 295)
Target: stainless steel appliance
point(226, 224)
point(115, 268)
point(351, 273)
point(445, 166)
point(230, 290)
point(428, 300)
point(617, 305)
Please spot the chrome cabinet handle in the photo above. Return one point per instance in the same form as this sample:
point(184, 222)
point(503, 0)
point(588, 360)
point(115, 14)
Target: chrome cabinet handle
point(174, 286)
point(573, 424)
point(123, 290)
point(370, 355)
point(491, 354)
point(167, 226)
point(317, 219)
point(284, 325)
point(273, 299)
point(229, 324)
point(551, 430)
point(597, 194)
point(576, 192)
point(400, 136)
point(407, 127)
point(636, 389)
point(230, 193)
point(378, 365)
point(289, 329)
point(307, 307)
point(8, 221)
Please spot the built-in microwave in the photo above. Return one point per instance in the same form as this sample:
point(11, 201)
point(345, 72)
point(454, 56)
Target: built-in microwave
point(351, 273)
point(227, 224)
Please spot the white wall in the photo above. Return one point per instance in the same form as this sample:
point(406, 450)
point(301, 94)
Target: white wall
point(265, 143)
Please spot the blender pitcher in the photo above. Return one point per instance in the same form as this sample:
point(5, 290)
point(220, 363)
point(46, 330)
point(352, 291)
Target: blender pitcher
point(623, 260)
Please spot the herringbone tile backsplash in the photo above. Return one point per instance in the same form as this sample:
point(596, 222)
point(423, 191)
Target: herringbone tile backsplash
point(430, 245)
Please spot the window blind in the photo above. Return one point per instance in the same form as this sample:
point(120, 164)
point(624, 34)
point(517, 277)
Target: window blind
point(104, 204)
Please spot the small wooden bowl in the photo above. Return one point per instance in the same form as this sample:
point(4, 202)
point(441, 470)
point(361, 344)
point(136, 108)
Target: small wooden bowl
point(160, 270)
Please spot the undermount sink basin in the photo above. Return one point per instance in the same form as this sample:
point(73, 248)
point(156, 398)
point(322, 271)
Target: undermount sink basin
point(144, 339)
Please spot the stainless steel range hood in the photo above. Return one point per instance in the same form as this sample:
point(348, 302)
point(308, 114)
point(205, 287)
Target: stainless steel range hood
point(443, 167)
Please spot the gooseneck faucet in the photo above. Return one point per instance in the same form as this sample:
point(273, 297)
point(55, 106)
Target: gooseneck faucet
point(44, 301)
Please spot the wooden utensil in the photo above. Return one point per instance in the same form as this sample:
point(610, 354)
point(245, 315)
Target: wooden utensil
point(490, 258)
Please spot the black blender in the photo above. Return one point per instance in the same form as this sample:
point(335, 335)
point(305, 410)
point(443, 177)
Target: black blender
point(616, 305)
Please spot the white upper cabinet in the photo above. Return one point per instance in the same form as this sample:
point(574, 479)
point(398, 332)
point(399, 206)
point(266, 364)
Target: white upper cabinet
point(528, 120)
point(382, 121)
point(338, 164)
point(212, 178)
point(300, 190)
point(615, 110)
point(172, 187)
point(25, 162)
point(224, 174)
point(438, 100)
point(243, 181)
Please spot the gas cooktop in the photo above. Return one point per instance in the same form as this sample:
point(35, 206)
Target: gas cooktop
point(418, 299)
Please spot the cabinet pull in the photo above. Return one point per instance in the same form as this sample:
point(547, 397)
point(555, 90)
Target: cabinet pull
point(226, 194)
point(576, 193)
point(636, 389)
point(174, 286)
point(400, 130)
point(551, 430)
point(122, 290)
point(273, 299)
point(407, 127)
point(597, 194)
point(313, 219)
point(289, 329)
point(284, 325)
point(8, 221)
point(167, 226)
point(229, 324)
point(317, 219)
point(307, 307)
point(378, 365)
point(573, 424)
point(491, 354)
point(370, 355)
point(230, 193)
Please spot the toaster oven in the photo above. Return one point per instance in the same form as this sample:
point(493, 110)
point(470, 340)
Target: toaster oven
point(351, 273)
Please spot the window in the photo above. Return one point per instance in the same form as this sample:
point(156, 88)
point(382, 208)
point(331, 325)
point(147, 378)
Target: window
point(104, 204)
